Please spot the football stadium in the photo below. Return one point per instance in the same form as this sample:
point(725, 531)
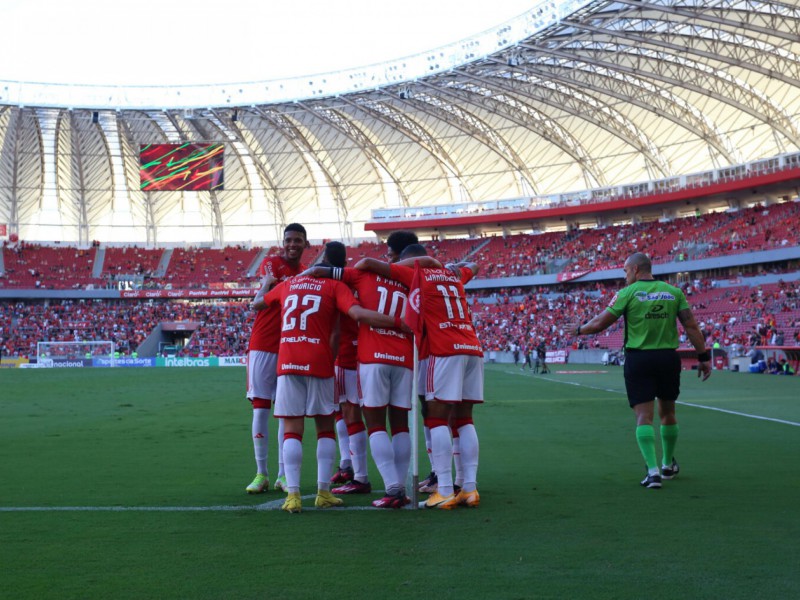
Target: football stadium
point(156, 315)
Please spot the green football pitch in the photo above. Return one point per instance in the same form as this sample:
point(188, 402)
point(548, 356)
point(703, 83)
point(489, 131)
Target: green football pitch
point(129, 483)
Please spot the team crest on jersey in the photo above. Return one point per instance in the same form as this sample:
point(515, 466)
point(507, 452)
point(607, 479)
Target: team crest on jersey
point(414, 299)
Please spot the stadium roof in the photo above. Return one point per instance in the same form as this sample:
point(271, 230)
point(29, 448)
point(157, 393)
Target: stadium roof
point(572, 96)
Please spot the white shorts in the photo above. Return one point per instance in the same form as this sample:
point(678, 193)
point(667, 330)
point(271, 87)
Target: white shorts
point(304, 396)
point(455, 378)
point(262, 374)
point(381, 385)
point(422, 377)
point(346, 386)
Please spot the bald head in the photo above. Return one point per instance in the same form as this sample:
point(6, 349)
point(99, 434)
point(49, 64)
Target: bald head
point(638, 266)
point(642, 261)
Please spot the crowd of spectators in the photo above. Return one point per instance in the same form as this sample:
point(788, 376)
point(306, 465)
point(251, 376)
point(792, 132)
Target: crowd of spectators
point(223, 331)
point(677, 240)
point(34, 266)
point(575, 251)
point(739, 317)
point(208, 267)
point(126, 323)
point(733, 317)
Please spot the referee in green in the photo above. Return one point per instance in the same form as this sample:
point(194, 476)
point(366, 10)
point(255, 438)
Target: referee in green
point(652, 365)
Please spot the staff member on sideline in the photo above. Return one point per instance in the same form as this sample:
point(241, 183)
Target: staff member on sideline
point(652, 365)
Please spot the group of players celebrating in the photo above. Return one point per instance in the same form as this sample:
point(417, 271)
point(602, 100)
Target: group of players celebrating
point(330, 343)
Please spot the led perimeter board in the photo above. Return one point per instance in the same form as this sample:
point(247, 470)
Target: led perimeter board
point(181, 167)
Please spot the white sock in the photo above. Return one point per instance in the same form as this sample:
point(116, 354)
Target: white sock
point(401, 442)
point(344, 444)
point(260, 431)
point(458, 475)
point(469, 456)
point(383, 455)
point(281, 470)
point(358, 450)
point(326, 455)
point(442, 454)
point(293, 459)
point(426, 431)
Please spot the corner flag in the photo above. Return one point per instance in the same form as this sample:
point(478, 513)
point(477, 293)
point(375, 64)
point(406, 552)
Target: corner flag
point(413, 319)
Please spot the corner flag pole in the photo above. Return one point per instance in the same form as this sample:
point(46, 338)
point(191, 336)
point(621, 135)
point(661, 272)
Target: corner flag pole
point(413, 319)
point(414, 426)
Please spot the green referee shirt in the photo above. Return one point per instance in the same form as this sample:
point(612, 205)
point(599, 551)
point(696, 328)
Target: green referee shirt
point(650, 309)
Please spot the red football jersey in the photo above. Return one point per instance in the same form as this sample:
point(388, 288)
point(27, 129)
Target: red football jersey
point(308, 309)
point(445, 313)
point(266, 329)
point(376, 344)
point(347, 356)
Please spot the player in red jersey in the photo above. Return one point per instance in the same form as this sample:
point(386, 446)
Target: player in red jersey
point(309, 308)
point(454, 374)
point(385, 364)
point(262, 355)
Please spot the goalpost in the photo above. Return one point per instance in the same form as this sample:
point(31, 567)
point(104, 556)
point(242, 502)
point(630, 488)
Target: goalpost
point(49, 353)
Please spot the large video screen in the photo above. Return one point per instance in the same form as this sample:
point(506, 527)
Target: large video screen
point(181, 167)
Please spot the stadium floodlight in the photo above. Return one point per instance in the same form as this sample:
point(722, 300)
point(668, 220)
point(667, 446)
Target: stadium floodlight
point(51, 354)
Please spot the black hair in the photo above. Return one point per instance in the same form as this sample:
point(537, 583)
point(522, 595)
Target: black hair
point(335, 254)
point(296, 227)
point(399, 240)
point(413, 250)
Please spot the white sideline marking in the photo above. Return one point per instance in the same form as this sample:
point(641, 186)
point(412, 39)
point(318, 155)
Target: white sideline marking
point(730, 412)
point(741, 414)
point(271, 505)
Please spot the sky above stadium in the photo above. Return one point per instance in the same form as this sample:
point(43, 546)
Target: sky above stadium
point(184, 42)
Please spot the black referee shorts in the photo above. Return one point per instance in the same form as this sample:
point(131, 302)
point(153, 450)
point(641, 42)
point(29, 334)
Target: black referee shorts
point(651, 374)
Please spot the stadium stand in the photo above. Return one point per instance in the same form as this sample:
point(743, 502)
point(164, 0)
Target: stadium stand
point(745, 315)
point(209, 267)
point(732, 309)
point(131, 260)
point(49, 267)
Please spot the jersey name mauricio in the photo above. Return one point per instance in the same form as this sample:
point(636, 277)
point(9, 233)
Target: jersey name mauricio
point(309, 309)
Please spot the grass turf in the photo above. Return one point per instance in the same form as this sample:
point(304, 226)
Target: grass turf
point(562, 514)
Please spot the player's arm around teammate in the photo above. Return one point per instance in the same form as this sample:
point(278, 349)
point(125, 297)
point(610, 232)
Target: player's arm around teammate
point(266, 284)
point(455, 372)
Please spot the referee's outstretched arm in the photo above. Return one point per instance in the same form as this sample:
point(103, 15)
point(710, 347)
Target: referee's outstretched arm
point(598, 323)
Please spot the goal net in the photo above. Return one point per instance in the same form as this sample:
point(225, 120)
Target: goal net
point(50, 353)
